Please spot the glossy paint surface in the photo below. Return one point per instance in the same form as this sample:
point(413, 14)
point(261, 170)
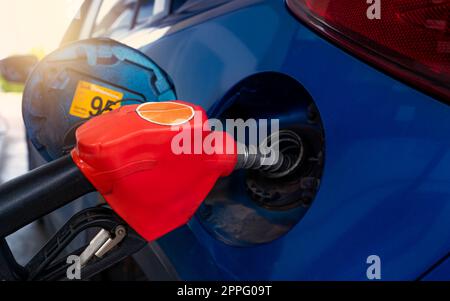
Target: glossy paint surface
point(386, 184)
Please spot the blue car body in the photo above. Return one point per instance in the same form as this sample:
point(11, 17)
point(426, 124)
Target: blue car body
point(385, 188)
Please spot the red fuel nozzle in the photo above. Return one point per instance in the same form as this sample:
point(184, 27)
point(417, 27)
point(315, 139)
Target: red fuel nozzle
point(132, 156)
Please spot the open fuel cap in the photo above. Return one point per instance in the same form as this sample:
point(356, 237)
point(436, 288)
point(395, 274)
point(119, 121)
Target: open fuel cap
point(82, 80)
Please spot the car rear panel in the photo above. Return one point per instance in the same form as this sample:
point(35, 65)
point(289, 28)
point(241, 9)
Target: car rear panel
point(385, 189)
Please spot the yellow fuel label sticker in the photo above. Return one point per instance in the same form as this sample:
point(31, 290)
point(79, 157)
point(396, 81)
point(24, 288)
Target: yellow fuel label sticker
point(93, 100)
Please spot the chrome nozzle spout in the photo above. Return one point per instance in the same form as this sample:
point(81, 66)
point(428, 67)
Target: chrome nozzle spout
point(277, 156)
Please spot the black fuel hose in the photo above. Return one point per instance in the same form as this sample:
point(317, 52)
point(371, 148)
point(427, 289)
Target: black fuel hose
point(39, 192)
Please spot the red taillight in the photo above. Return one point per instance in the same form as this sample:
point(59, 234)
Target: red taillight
point(411, 40)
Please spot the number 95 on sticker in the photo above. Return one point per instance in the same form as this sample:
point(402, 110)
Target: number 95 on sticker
point(93, 100)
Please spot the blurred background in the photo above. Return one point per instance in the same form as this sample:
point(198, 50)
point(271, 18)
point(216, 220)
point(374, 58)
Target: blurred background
point(34, 26)
point(26, 27)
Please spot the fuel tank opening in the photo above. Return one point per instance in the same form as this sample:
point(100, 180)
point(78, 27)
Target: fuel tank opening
point(293, 181)
point(258, 204)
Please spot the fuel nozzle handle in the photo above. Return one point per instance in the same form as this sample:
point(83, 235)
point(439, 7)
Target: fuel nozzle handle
point(39, 192)
point(133, 157)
